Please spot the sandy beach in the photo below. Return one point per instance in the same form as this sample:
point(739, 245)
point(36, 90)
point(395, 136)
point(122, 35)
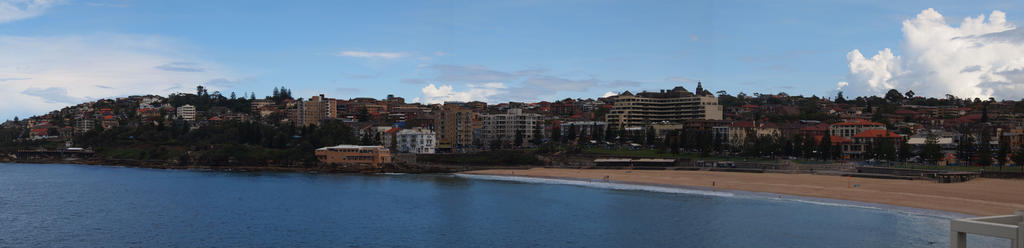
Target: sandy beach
point(980, 196)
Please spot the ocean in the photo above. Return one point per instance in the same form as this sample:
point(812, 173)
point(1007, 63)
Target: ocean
point(55, 205)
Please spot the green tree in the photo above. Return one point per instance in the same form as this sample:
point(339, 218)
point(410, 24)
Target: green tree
point(825, 147)
point(556, 134)
point(966, 149)
point(538, 135)
point(894, 96)
point(984, 153)
point(904, 151)
point(931, 151)
point(571, 137)
point(1018, 157)
point(518, 142)
point(1001, 155)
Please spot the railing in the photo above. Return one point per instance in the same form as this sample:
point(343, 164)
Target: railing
point(1003, 226)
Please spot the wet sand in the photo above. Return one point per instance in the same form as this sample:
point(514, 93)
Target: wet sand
point(980, 196)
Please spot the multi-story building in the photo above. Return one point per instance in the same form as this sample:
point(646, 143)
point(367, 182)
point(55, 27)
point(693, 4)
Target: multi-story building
point(416, 140)
point(84, 125)
point(505, 127)
point(108, 122)
point(255, 106)
point(853, 127)
point(673, 105)
point(863, 140)
point(187, 112)
point(741, 131)
point(583, 128)
point(454, 125)
point(314, 110)
point(352, 154)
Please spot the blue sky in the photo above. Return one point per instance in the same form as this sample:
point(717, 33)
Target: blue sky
point(59, 53)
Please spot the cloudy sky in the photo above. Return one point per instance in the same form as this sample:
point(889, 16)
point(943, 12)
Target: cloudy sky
point(55, 53)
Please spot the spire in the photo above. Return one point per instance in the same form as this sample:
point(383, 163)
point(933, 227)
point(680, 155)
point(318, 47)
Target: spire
point(700, 91)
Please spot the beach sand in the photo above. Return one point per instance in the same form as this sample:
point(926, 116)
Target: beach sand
point(980, 196)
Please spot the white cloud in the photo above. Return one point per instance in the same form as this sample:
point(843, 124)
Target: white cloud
point(979, 58)
point(841, 85)
point(371, 55)
point(53, 72)
point(519, 85)
point(13, 10)
point(607, 94)
point(476, 92)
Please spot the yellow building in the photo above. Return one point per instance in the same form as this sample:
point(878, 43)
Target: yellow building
point(675, 105)
point(454, 126)
point(353, 154)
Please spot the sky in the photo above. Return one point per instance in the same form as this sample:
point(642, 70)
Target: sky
point(57, 53)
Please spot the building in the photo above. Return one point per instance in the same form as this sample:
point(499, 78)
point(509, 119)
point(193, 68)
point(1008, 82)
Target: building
point(255, 106)
point(673, 105)
point(84, 125)
point(108, 122)
point(871, 137)
point(187, 112)
point(376, 156)
point(416, 140)
point(583, 128)
point(314, 110)
point(504, 128)
point(454, 126)
point(853, 127)
point(380, 135)
point(741, 131)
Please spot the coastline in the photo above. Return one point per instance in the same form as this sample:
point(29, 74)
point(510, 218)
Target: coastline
point(982, 196)
point(319, 168)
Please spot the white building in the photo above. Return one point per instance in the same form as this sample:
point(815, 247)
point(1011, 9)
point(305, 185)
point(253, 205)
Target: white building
point(150, 102)
point(505, 127)
point(416, 140)
point(187, 112)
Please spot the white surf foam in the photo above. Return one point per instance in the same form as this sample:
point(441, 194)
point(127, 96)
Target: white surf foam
point(600, 184)
point(730, 193)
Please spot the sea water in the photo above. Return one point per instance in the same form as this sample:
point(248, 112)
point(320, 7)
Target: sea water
point(105, 206)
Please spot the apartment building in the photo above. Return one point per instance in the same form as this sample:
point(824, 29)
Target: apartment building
point(416, 140)
point(314, 110)
point(849, 128)
point(673, 105)
point(454, 125)
point(505, 127)
point(187, 112)
point(256, 106)
point(352, 154)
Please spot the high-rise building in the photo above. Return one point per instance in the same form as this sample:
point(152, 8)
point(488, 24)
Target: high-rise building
point(454, 126)
point(673, 105)
point(314, 110)
point(505, 127)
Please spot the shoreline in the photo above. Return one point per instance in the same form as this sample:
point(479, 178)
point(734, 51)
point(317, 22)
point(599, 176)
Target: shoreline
point(979, 197)
point(713, 192)
point(350, 169)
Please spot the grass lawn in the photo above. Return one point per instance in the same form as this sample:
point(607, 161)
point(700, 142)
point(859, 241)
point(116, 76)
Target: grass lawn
point(654, 154)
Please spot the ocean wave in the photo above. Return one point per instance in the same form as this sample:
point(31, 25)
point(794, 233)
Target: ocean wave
point(600, 184)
